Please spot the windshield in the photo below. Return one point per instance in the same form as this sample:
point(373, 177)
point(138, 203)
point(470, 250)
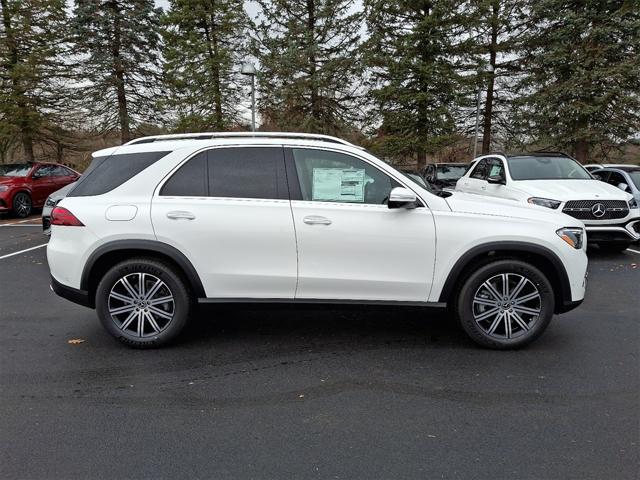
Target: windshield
point(544, 168)
point(635, 177)
point(417, 179)
point(15, 169)
point(451, 172)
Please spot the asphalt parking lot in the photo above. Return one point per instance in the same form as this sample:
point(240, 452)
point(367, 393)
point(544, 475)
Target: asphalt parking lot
point(303, 393)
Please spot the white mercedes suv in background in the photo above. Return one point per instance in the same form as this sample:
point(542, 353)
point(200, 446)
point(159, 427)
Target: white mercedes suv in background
point(560, 183)
point(160, 224)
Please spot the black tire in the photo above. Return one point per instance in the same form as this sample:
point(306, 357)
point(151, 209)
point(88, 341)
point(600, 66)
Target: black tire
point(614, 247)
point(22, 205)
point(161, 330)
point(505, 337)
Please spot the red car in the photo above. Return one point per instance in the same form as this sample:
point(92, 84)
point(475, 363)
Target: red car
point(25, 186)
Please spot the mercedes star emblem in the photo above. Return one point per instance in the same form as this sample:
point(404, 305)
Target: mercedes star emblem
point(598, 210)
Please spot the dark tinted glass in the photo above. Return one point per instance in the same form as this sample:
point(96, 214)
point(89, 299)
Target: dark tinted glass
point(106, 173)
point(190, 180)
point(615, 178)
point(600, 175)
point(546, 168)
point(247, 172)
point(480, 171)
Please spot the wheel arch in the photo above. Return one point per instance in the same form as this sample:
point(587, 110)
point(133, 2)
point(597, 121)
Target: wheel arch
point(107, 255)
point(540, 257)
point(21, 189)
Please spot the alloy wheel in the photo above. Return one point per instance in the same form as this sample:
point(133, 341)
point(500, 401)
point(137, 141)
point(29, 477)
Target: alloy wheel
point(141, 304)
point(507, 305)
point(22, 205)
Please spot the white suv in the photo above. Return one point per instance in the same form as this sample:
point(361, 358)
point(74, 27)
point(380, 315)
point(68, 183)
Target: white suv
point(558, 182)
point(161, 224)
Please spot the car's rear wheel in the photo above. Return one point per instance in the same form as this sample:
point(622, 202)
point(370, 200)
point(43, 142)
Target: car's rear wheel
point(22, 205)
point(143, 302)
point(505, 304)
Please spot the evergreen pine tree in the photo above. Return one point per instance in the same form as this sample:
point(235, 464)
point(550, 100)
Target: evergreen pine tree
point(119, 41)
point(205, 44)
point(310, 72)
point(496, 29)
point(33, 35)
point(416, 88)
point(582, 60)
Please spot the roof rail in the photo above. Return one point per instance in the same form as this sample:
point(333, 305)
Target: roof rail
point(214, 135)
point(552, 152)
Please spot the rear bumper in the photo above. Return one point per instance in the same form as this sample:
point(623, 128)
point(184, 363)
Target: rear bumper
point(81, 297)
point(568, 306)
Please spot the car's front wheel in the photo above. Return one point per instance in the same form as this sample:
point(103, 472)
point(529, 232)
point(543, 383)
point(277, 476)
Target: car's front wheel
point(505, 304)
point(143, 302)
point(22, 205)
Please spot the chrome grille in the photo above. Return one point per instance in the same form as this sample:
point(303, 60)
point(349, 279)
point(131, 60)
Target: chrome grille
point(584, 209)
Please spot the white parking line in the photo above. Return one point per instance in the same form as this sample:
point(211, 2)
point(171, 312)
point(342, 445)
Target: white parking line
point(23, 225)
point(632, 250)
point(18, 222)
point(22, 251)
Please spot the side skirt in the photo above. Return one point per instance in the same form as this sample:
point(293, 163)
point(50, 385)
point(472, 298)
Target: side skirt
point(322, 301)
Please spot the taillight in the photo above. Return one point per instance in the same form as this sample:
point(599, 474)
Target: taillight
point(62, 216)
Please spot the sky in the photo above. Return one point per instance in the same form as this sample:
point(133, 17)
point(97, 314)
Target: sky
point(249, 6)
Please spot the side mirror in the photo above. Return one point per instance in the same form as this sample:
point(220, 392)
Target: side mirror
point(623, 186)
point(497, 179)
point(401, 197)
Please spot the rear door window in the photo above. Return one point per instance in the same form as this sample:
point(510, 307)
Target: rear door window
point(247, 172)
point(106, 173)
point(190, 180)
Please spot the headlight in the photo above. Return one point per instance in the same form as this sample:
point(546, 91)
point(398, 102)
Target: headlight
point(632, 203)
point(574, 236)
point(544, 202)
point(3, 188)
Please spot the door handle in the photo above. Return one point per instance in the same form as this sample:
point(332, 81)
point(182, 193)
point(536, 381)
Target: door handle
point(316, 220)
point(180, 215)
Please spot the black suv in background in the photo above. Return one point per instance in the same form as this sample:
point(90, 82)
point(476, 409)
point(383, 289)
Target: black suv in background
point(443, 175)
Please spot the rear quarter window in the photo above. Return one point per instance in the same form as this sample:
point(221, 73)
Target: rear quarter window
point(106, 173)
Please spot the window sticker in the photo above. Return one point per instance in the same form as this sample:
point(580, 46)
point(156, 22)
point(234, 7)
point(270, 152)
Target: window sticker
point(495, 170)
point(338, 185)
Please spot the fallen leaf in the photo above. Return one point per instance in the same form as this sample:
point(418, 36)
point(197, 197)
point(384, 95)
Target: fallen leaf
point(75, 341)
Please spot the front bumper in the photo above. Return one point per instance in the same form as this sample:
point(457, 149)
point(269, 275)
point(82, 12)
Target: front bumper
point(621, 232)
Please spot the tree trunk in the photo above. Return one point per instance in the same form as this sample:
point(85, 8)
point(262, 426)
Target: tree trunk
point(493, 47)
point(421, 160)
point(212, 48)
point(25, 119)
point(311, 30)
point(123, 112)
point(581, 149)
